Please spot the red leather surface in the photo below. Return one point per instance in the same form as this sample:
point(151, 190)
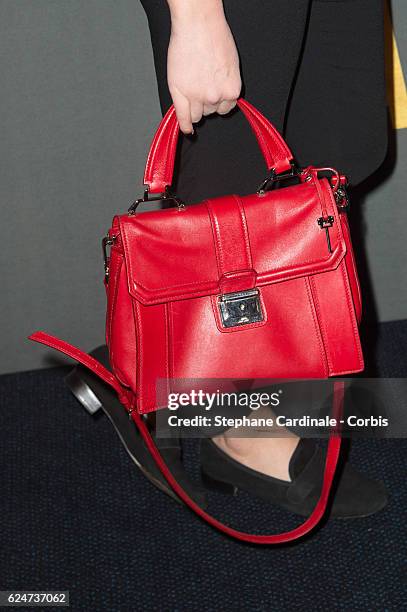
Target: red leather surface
point(160, 161)
point(173, 254)
point(122, 346)
point(276, 152)
point(176, 264)
point(169, 268)
point(337, 321)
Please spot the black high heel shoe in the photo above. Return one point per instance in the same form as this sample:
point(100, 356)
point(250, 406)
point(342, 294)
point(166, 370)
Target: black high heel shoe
point(94, 395)
point(354, 494)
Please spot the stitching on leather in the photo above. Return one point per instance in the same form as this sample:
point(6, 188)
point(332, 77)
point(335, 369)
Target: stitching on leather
point(113, 303)
point(273, 138)
point(339, 247)
point(309, 262)
point(263, 123)
point(317, 326)
point(151, 154)
point(136, 339)
point(211, 281)
point(170, 157)
point(256, 120)
point(278, 141)
point(167, 348)
point(214, 290)
point(351, 309)
point(157, 141)
point(172, 363)
point(332, 256)
point(171, 359)
point(260, 280)
point(265, 147)
point(139, 353)
point(245, 230)
point(214, 237)
point(320, 261)
point(280, 270)
point(118, 372)
point(176, 286)
point(131, 272)
point(321, 322)
point(217, 237)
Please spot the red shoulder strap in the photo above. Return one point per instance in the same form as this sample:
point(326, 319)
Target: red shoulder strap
point(128, 401)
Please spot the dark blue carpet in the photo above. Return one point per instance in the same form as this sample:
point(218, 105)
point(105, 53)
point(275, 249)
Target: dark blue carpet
point(77, 515)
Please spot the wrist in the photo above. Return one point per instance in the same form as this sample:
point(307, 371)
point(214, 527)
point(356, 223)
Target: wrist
point(185, 12)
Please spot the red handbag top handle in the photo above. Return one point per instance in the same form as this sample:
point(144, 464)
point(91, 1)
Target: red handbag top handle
point(160, 161)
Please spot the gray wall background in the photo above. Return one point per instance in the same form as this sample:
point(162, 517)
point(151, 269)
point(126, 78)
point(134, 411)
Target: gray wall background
point(78, 108)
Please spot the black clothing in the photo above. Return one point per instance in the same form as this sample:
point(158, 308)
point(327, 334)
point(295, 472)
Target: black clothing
point(315, 68)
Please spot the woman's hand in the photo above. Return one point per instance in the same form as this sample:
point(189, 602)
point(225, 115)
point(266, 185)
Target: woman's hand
point(203, 63)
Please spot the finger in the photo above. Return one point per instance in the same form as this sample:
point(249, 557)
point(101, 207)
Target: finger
point(208, 109)
point(196, 111)
point(226, 106)
point(183, 112)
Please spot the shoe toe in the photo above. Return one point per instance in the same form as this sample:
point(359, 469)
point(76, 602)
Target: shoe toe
point(357, 495)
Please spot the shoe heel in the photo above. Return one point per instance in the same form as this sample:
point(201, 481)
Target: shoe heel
point(218, 486)
point(82, 392)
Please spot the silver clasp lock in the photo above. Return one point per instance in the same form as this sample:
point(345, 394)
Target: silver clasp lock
point(240, 308)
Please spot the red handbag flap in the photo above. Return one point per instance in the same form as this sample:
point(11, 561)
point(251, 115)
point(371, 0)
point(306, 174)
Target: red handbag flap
point(176, 254)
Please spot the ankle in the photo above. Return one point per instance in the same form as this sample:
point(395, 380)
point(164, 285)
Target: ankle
point(235, 447)
point(270, 456)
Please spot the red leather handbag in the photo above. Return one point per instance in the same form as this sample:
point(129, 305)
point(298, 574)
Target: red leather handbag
point(269, 277)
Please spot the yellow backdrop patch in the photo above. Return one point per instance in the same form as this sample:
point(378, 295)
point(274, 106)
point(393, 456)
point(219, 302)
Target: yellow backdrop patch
point(396, 84)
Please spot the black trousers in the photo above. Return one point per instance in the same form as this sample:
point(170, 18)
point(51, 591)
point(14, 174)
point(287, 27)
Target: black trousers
point(315, 68)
